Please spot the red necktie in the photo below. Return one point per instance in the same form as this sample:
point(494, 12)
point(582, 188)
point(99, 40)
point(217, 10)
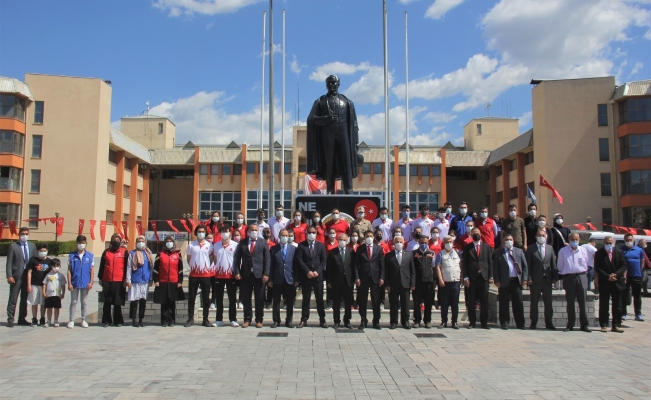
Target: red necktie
point(610, 256)
point(369, 252)
point(478, 250)
point(252, 247)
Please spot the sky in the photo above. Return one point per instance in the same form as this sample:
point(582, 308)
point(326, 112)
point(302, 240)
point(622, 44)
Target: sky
point(198, 62)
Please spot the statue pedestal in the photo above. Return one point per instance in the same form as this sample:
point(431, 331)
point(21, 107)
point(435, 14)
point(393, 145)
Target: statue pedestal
point(345, 203)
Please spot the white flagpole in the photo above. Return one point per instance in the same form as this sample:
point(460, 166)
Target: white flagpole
point(271, 111)
point(387, 173)
point(282, 132)
point(406, 110)
point(261, 175)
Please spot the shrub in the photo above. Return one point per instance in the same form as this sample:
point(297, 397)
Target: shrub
point(53, 248)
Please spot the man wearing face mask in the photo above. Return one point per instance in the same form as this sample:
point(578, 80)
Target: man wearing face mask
point(18, 254)
point(458, 222)
point(369, 262)
point(337, 223)
point(514, 226)
point(634, 257)
point(310, 259)
point(400, 280)
point(425, 223)
point(610, 265)
point(283, 279)
point(341, 276)
point(251, 266)
point(477, 273)
point(223, 254)
point(487, 227)
point(111, 274)
point(447, 209)
point(278, 223)
point(531, 224)
point(200, 258)
point(425, 282)
point(385, 224)
point(560, 238)
point(403, 223)
point(361, 224)
point(543, 272)
point(573, 266)
point(510, 271)
point(81, 264)
point(448, 269)
point(261, 215)
point(442, 223)
point(417, 234)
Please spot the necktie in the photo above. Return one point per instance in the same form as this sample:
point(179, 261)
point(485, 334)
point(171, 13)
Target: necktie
point(25, 255)
point(478, 264)
point(477, 247)
point(542, 251)
point(368, 249)
point(399, 256)
point(252, 247)
point(343, 255)
point(311, 249)
point(515, 263)
point(610, 256)
point(284, 252)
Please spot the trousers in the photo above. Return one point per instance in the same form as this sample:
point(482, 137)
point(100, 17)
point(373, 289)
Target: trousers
point(74, 296)
point(308, 285)
point(193, 287)
point(576, 286)
point(424, 293)
point(512, 293)
point(450, 298)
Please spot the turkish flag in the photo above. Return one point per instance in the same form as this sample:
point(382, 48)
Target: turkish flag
point(591, 226)
point(580, 227)
point(154, 226)
point(2, 228)
point(169, 222)
point(544, 183)
point(314, 186)
point(194, 223)
point(117, 229)
point(91, 227)
point(102, 230)
point(139, 227)
point(53, 220)
point(125, 228)
point(59, 226)
point(646, 232)
point(12, 228)
point(81, 226)
point(185, 226)
point(632, 231)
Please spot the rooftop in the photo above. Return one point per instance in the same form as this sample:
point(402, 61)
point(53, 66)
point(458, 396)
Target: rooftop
point(12, 85)
point(638, 88)
point(511, 147)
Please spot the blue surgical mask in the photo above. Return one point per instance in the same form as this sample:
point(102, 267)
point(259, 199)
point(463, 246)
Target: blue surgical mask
point(405, 214)
point(608, 247)
point(423, 246)
point(574, 244)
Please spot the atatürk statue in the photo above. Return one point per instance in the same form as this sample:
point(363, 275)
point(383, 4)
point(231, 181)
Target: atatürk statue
point(332, 140)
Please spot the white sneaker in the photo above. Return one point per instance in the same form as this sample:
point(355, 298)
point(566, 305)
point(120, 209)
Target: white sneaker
point(240, 306)
point(212, 306)
point(381, 306)
point(46, 324)
point(71, 324)
point(84, 324)
point(234, 324)
point(218, 323)
point(56, 323)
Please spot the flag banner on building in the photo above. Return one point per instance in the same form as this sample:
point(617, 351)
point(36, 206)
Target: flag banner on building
point(12, 228)
point(171, 224)
point(591, 226)
point(59, 226)
point(117, 229)
point(139, 227)
point(53, 220)
point(102, 230)
point(531, 195)
point(314, 186)
point(194, 223)
point(125, 228)
point(2, 228)
point(579, 227)
point(154, 227)
point(544, 183)
point(185, 226)
point(81, 226)
point(647, 232)
point(91, 227)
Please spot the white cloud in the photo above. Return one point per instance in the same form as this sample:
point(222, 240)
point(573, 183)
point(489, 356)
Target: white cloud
point(295, 66)
point(439, 117)
point(208, 7)
point(525, 120)
point(277, 50)
point(371, 127)
point(440, 8)
point(407, 1)
point(638, 66)
point(368, 89)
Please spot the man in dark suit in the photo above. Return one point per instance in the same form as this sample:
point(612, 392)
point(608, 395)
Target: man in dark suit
point(610, 265)
point(400, 280)
point(369, 262)
point(284, 278)
point(542, 275)
point(477, 273)
point(18, 254)
point(251, 265)
point(425, 282)
point(510, 272)
point(310, 259)
point(341, 277)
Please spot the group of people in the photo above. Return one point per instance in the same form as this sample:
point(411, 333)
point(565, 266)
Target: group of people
point(413, 261)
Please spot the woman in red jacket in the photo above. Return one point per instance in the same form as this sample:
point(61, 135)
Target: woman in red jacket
point(168, 279)
point(320, 226)
point(299, 227)
point(111, 275)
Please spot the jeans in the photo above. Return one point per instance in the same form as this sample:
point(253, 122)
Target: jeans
point(450, 298)
point(634, 284)
point(74, 295)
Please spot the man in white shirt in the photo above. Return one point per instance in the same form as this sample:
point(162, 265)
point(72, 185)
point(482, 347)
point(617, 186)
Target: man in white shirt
point(260, 214)
point(404, 223)
point(223, 253)
point(591, 249)
point(413, 244)
point(385, 224)
point(442, 223)
point(424, 222)
point(200, 258)
point(278, 223)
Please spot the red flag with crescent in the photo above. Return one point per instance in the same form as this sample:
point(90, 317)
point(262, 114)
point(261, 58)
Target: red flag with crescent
point(117, 229)
point(2, 228)
point(81, 226)
point(12, 228)
point(59, 226)
point(91, 227)
point(169, 222)
point(154, 227)
point(194, 223)
point(125, 228)
point(102, 230)
point(139, 227)
point(185, 226)
point(544, 183)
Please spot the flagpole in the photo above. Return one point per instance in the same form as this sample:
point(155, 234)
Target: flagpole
point(261, 175)
point(272, 165)
point(282, 131)
point(387, 193)
point(406, 115)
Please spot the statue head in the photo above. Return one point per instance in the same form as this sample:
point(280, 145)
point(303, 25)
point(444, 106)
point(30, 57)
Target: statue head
point(332, 83)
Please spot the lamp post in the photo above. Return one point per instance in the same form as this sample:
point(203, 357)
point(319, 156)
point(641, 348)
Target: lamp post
point(56, 238)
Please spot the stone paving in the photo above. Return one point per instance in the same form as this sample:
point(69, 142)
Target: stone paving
point(309, 363)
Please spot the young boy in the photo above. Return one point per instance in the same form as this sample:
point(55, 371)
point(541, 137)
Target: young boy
point(54, 290)
point(80, 279)
point(37, 267)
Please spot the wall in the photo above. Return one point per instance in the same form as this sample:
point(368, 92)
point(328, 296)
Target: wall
point(172, 198)
point(144, 130)
point(494, 133)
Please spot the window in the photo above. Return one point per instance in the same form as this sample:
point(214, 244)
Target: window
point(377, 169)
point(203, 169)
point(139, 196)
point(302, 167)
point(252, 203)
point(602, 114)
point(113, 157)
point(528, 158)
point(634, 146)
point(33, 216)
point(436, 170)
point(35, 182)
point(500, 197)
point(178, 174)
point(637, 217)
point(402, 170)
point(513, 164)
point(487, 175)
point(125, 217)
point(287, 170)
point(488, 200)
point(418, 199)
point(532, 187)
point(513, 193)
point(424, 170)
point(607, 218)
point(605, 185)
point(109, 217)
point(8, 212)
point(110, 187)
point(125, 191)
point(604, 153)
point(11, 142)
point(413, 170)
point(127, 164)
point(237, 169)
point(214, 169)
point(39, 107)
point(10, 178)
point(227, 203)
point(160, 127)
point(366, 169)
point(226, 169)
point(636, 182)
point(250, 168)
point(635, 110)
point(391, 166)
point(37, 146)
point(461, 175)
point(12, 107)
point(499, 170)
point(479, 129)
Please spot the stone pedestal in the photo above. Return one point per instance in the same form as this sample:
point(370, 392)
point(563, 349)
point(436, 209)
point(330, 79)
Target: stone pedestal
point(152, 310)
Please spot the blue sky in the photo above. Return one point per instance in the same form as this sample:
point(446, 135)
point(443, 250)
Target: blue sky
point(198, 61)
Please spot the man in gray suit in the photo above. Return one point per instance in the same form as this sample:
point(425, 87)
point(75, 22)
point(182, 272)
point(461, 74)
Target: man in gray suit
point(542, 275)
point(18, 254)
point(510, 272)
point(400, 281)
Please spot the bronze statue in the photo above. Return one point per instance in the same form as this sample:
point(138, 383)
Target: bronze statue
point(332, 138)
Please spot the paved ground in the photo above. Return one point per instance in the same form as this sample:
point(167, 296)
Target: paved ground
point(226, 362)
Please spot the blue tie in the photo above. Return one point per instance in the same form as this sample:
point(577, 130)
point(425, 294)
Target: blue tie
point(25, 255)
point(284, 252)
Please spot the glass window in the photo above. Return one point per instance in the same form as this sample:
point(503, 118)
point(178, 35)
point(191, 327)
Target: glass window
point(479, 129)
point(513, 192)
point(37, 146)
point(214, 169)
point(178, 174)
point(226, 169)
point(302, 167)
point(634, 146)
point(33, 216)
point(110, 187)
point(112, 157)
point(10, 178)
point(35, 185)
point(604, 152)
point(500, 197)
point(288, 168)
point(402, 170)
point(637, 217)
point(513, 165)
point(8, 212)
point(636, 182)
point(264, 167)
point(436, 170)
point(487, 175)
point(635, 110)
point(607, 218)
point(461, 175)
point(39, 107)
point(499, 171)
point(602, 114)
point(12, 107)
point(160, 127)
point(125, 191)
point(366, 169)
point(227, 203)
point(109, 217)
point(203, 169)
point(139, 196)
point(528, 158)
point(413, 170)
point(237, 169)
point(250, 168)
point(252, 203)
point(424, 170)
point(127, 164)
point(532, 187)
point(377, 169)
point(605, 185)
point(11, 142)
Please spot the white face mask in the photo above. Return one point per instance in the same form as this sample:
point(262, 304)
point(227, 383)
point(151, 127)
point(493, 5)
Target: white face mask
point(512, 213)
point(483, 215)
point(397, 234)
point(226, 235)
point(335, 216)
point(253, 235)
point(279, 213)
point(532, 213)
point(23, 238)
point(81, 246)
point(316, 220)
point(55, 269)
point(435, 235)
point(354, 239)
point(368, 241)
point(169, 245)
point(448, 246)
point(283, 239)
point(360, 215)
point(297, 218)
point(629, 244)
point(215, 219)
point(342, 244)
point(399, 246)
point(542, 223)
point(291, 239)
point(201, 235)
point(141, 245)
point(383, 217)
point(541, 239)
point(42, 254)
point(448, 211)
point(332, 235)
point(311, 237)
point(463, 211)
point(508, 244)
point(240, 221)
point(559, 221)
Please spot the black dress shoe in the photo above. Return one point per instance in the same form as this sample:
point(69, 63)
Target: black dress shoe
point(23, 322)
point(532, 326)
point(521, 327)
point(189, 323)
point(323, 325)
point(118, 325)
point(206, 323)
point(406, 326)
point(393, 325)
point(336, 325)
point(504, 327)
point(289, 325)
point(275, 324)
point(302, 324)
point(443, 325)
point(348, 325)
point(585, 329)
point(485, 326)
point(568, 329)
point(377, 326)
point(140, 324)
point(134, 323)
point(550, 327)
point(105, 324)
point(471, 326)
point(455, 325)
point(10, 324)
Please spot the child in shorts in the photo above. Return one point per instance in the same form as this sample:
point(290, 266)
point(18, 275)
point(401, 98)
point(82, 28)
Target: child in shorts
point(37, 268)
point(54, 290)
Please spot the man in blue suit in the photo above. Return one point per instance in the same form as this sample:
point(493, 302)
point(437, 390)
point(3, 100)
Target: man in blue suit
point(284, 278)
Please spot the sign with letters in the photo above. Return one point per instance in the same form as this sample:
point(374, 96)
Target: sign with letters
point(345, 203)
